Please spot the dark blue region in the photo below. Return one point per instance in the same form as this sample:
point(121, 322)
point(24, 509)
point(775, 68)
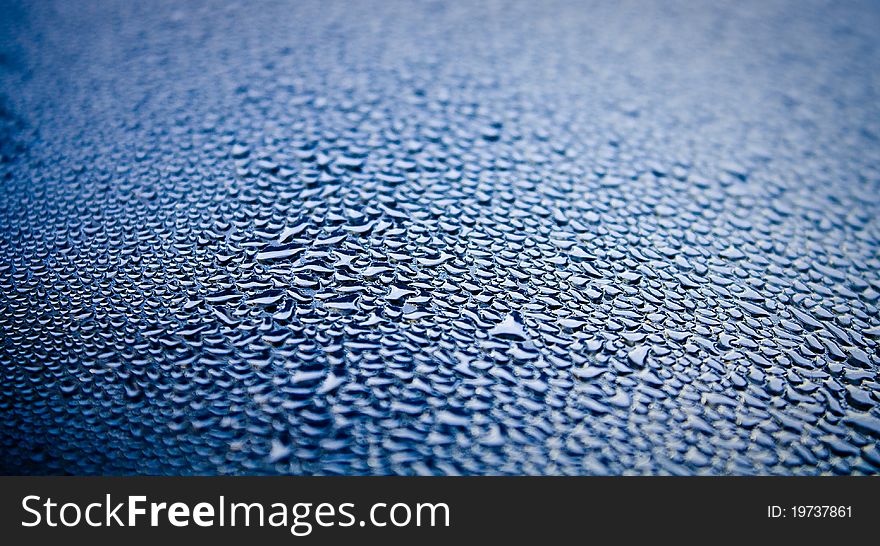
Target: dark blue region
point(384, 237)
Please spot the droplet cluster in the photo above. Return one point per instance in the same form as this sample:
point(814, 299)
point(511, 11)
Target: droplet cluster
point(430, 238)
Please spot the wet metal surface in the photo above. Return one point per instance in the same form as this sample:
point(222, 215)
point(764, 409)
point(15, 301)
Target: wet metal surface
point(474, 238)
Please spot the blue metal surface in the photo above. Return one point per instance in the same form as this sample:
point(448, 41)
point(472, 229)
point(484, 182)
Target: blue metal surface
point(439, 238)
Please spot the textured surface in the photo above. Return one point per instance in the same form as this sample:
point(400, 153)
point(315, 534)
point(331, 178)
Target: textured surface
point(374, 237)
